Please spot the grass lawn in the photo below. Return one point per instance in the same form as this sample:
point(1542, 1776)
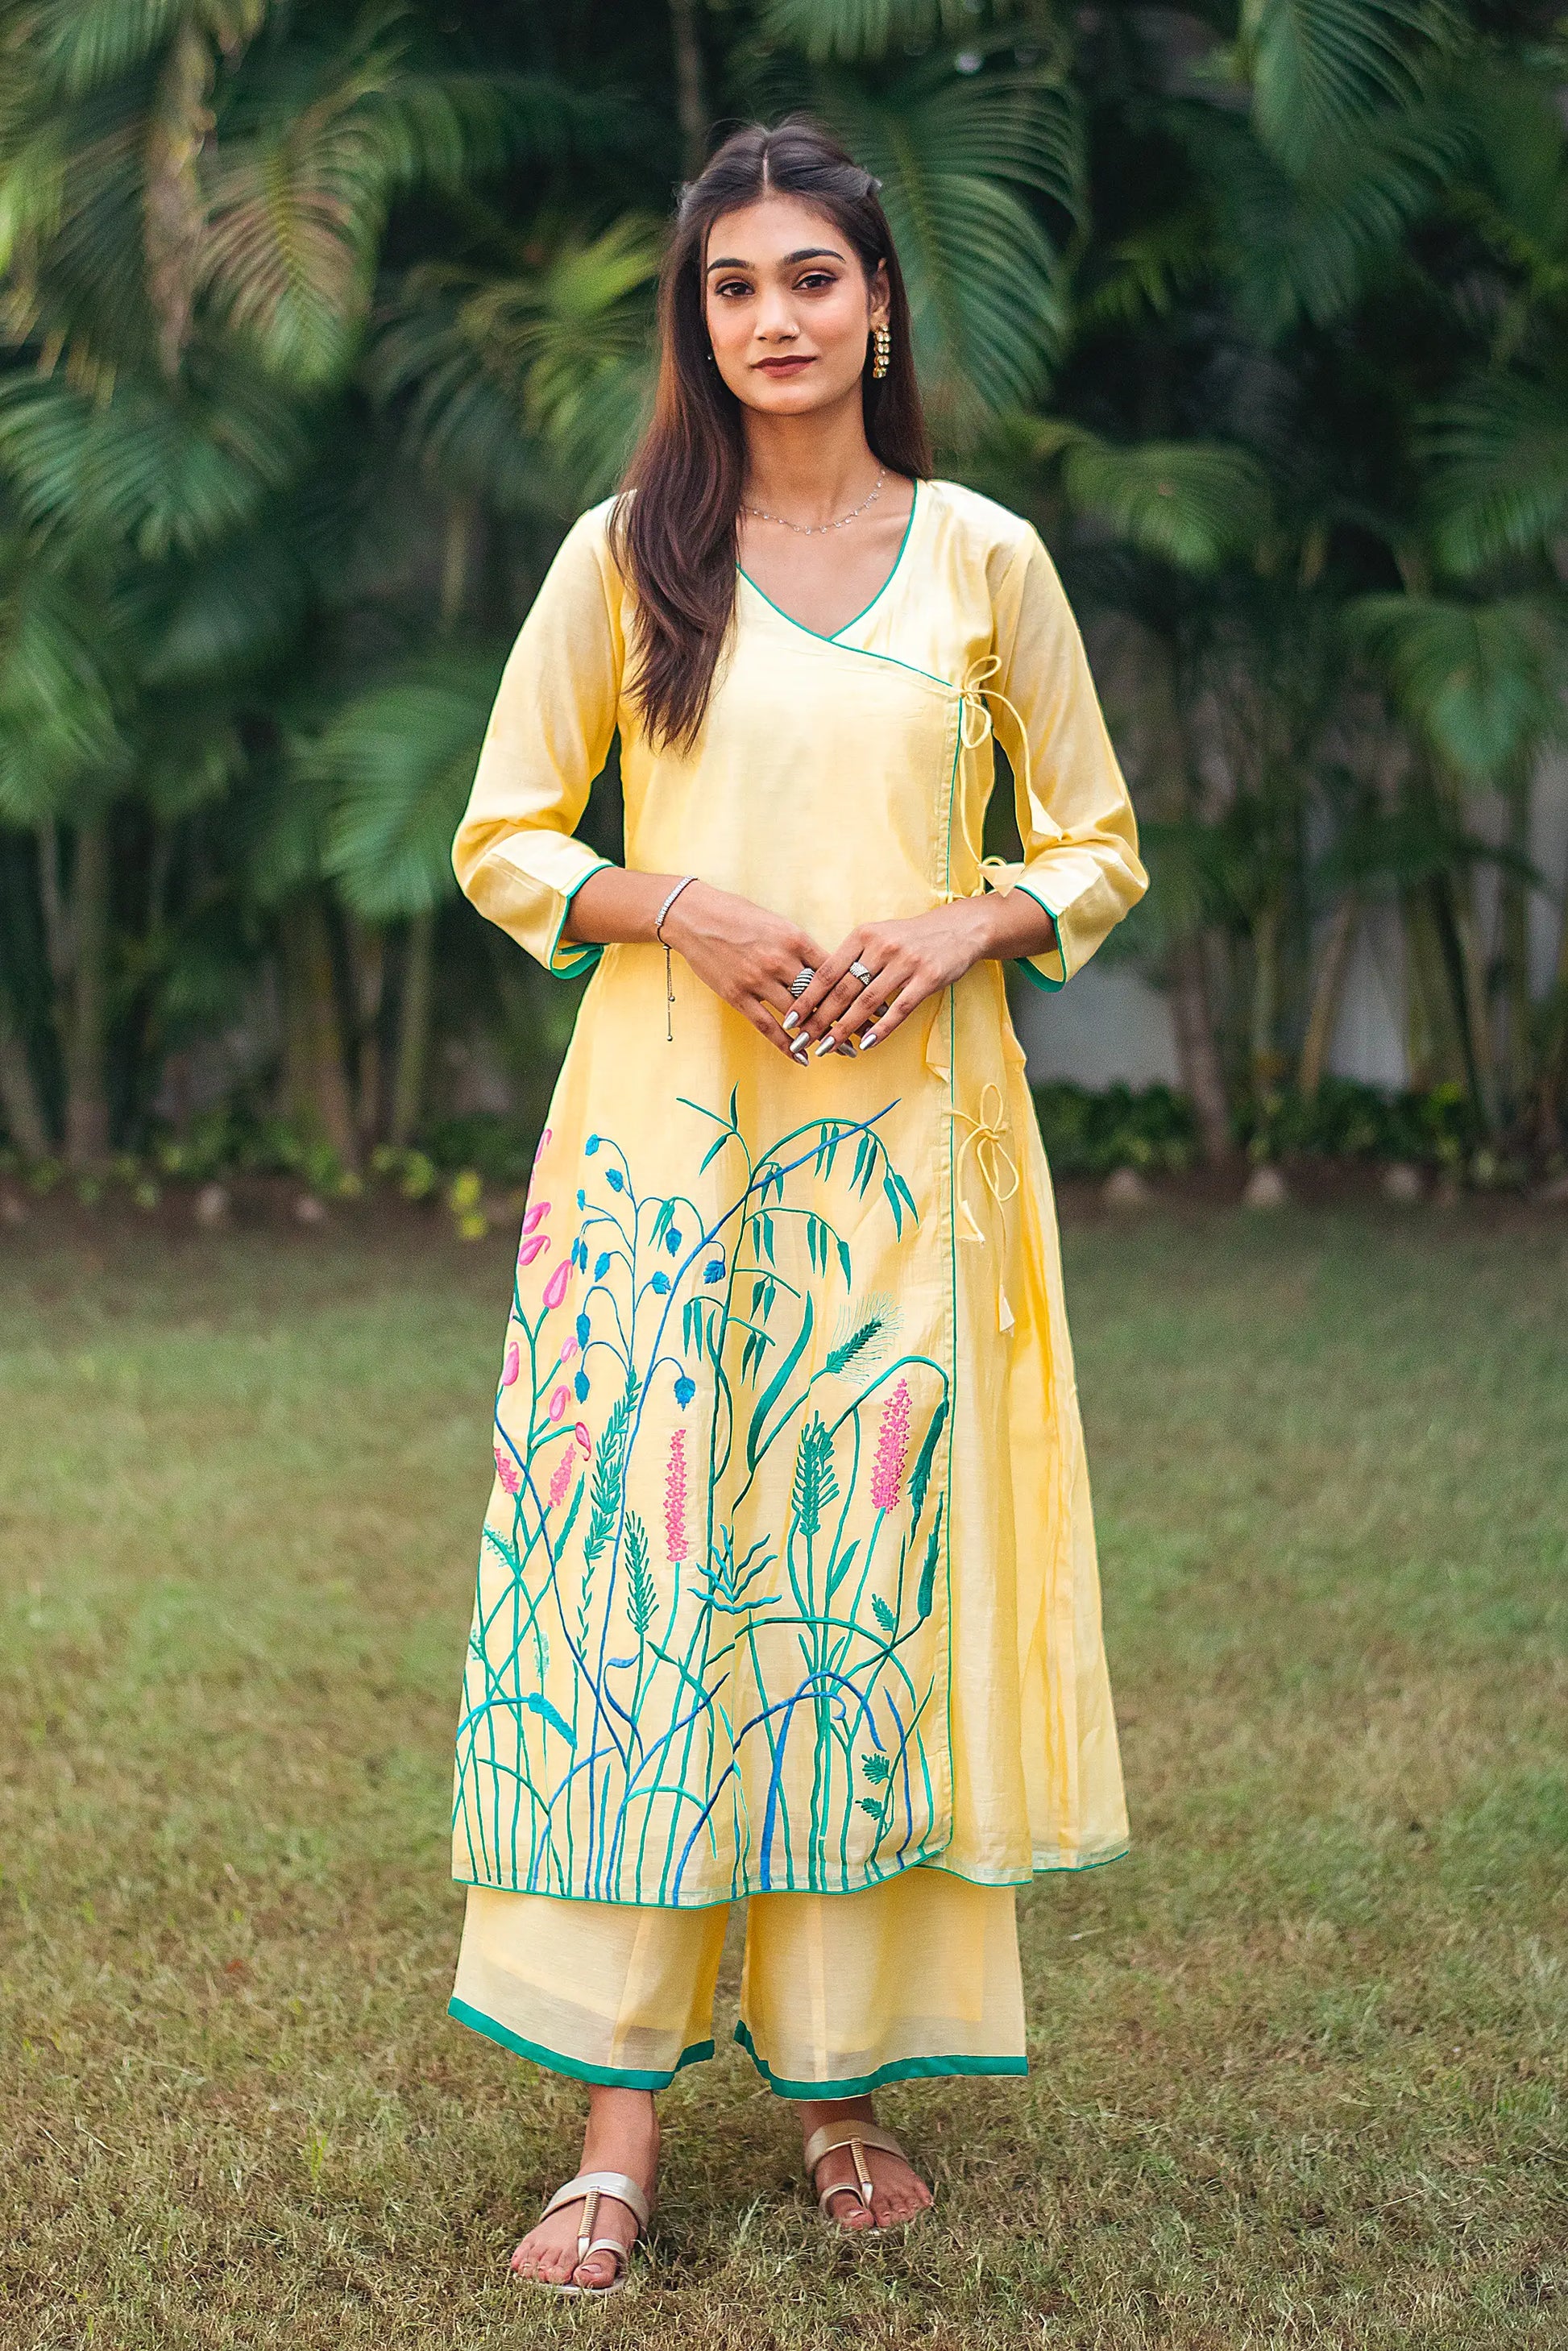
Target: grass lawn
point(1297, 2062)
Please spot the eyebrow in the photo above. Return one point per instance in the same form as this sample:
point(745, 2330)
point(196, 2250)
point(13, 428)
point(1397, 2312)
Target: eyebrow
point(806, 253)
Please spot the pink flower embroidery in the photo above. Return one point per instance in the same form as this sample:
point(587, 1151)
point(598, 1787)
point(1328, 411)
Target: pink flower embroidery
point(562, 1477)
point(558, 1403)
point(507, 1471)
point(582, 1437)
point(536, 1216)
point(569, 1348)
point(676, 1500)
point(511, 1368)
point(539, 1152)
point(555, 1288)
point(532, 1248)
point(892, 1446)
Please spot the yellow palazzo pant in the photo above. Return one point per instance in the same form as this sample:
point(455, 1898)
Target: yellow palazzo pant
point(917, 1975)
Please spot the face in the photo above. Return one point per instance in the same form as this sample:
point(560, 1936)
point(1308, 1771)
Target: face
point(788, 306)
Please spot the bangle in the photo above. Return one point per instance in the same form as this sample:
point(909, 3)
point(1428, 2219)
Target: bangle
point(664, 942)
point(659, 918)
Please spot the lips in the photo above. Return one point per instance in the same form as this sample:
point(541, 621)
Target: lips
point(783, 367)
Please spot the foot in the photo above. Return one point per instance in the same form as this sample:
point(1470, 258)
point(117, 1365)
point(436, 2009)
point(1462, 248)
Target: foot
point(898, 2192)
point(622, 2135)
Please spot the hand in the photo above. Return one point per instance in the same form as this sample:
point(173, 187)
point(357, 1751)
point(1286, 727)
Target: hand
point(909, 960)
point(746, 954)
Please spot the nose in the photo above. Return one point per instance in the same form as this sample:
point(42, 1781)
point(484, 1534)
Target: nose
point(774, 317)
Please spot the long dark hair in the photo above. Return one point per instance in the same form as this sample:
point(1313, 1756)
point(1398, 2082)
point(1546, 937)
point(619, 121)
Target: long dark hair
point(674, 540)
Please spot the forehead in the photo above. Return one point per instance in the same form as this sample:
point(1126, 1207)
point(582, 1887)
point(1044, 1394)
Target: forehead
point(772, 227)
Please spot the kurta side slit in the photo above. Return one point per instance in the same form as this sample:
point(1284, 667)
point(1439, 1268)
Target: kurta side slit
point(787, 1581)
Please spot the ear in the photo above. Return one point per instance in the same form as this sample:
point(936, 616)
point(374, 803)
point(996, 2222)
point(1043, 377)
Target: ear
point(879, 294)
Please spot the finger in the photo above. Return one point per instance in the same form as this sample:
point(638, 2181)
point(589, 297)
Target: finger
point(852, 1006)
point(898, 1012)
point(829, 972)
point(767, 1024)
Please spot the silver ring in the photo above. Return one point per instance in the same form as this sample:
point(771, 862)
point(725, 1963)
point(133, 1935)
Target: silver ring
point(858, 971)
point(802, 980)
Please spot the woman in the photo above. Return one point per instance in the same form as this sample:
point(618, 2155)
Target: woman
point(788, 1586)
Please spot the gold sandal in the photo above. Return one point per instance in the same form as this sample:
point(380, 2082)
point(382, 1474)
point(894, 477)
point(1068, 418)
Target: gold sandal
point(857, 2137)
point(590, 2186)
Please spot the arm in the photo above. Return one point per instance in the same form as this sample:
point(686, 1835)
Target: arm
point(1079, 872)
point(515, 853)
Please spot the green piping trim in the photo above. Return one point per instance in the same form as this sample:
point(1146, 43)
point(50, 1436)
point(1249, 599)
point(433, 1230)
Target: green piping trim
point(584, 953)
point(822, 635)
point(1026, 963)
point(924, 1860)
point(625, 2077)
point(899, 2069)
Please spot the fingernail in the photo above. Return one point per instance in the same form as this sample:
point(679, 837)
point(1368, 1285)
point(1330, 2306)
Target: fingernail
point(867, 1043)
point(823, 1045)
point(790, 1019)
point(849, 1049)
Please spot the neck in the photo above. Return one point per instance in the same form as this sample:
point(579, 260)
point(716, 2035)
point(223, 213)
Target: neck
point(809, 468)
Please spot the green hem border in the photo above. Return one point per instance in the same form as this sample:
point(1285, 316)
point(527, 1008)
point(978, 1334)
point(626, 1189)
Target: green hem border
point(898, 2069)
point(1026, 963)
point(743, 1893)
point(584, 953)
point(623, 2077)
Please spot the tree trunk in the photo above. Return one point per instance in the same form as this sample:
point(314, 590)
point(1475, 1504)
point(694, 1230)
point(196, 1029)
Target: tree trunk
point(315, 1078)
point(413, 1029)
point(1514, 925)
point(691, 100)
point(1197, 1054)
point(19, 1097)
point(87, 1026)
point(175, 212)
point(1328, 989)
point(368, 961)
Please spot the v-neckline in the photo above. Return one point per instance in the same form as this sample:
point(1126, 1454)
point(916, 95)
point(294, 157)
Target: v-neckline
point(834, 636)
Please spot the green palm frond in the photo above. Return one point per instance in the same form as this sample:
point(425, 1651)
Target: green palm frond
point(1309, 251)
point(399, 762)
point(987, 287)
point(145, 469)
point(1190, 503)
point(77, 45)
point(1319, 69)
point(1499, 485)
point(847, 29)
point(228, 613)
point(1482, 683)
point(309, 157)
point(60, 688)
point(458, 420)
point(544, 373)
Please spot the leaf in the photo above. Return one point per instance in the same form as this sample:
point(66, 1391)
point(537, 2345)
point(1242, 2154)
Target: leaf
point(1483, 681)
point(542, 1707)
point(400, 760)
point(959, 155)
point(920, 1476)
point(1192, 503)
point(882, 1613)
point(764, 1402)
point(926, 1590)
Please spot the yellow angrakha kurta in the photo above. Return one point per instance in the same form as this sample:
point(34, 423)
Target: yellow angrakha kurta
point(788, 1578)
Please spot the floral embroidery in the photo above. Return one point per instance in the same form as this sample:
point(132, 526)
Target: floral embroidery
point(757, 1708)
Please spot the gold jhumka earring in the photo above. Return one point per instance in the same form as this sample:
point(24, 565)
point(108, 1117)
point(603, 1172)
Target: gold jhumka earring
point(882, 351)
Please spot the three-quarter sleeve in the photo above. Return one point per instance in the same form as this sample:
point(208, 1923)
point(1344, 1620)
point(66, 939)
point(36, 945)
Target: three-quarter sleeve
point(1074, 812)
point(515, 853)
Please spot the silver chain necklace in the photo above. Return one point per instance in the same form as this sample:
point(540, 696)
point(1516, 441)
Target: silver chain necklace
point(812, 529)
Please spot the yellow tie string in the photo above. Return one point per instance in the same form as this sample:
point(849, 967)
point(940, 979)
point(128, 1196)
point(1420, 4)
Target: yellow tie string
point(991, 1155)
point(975, 723)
